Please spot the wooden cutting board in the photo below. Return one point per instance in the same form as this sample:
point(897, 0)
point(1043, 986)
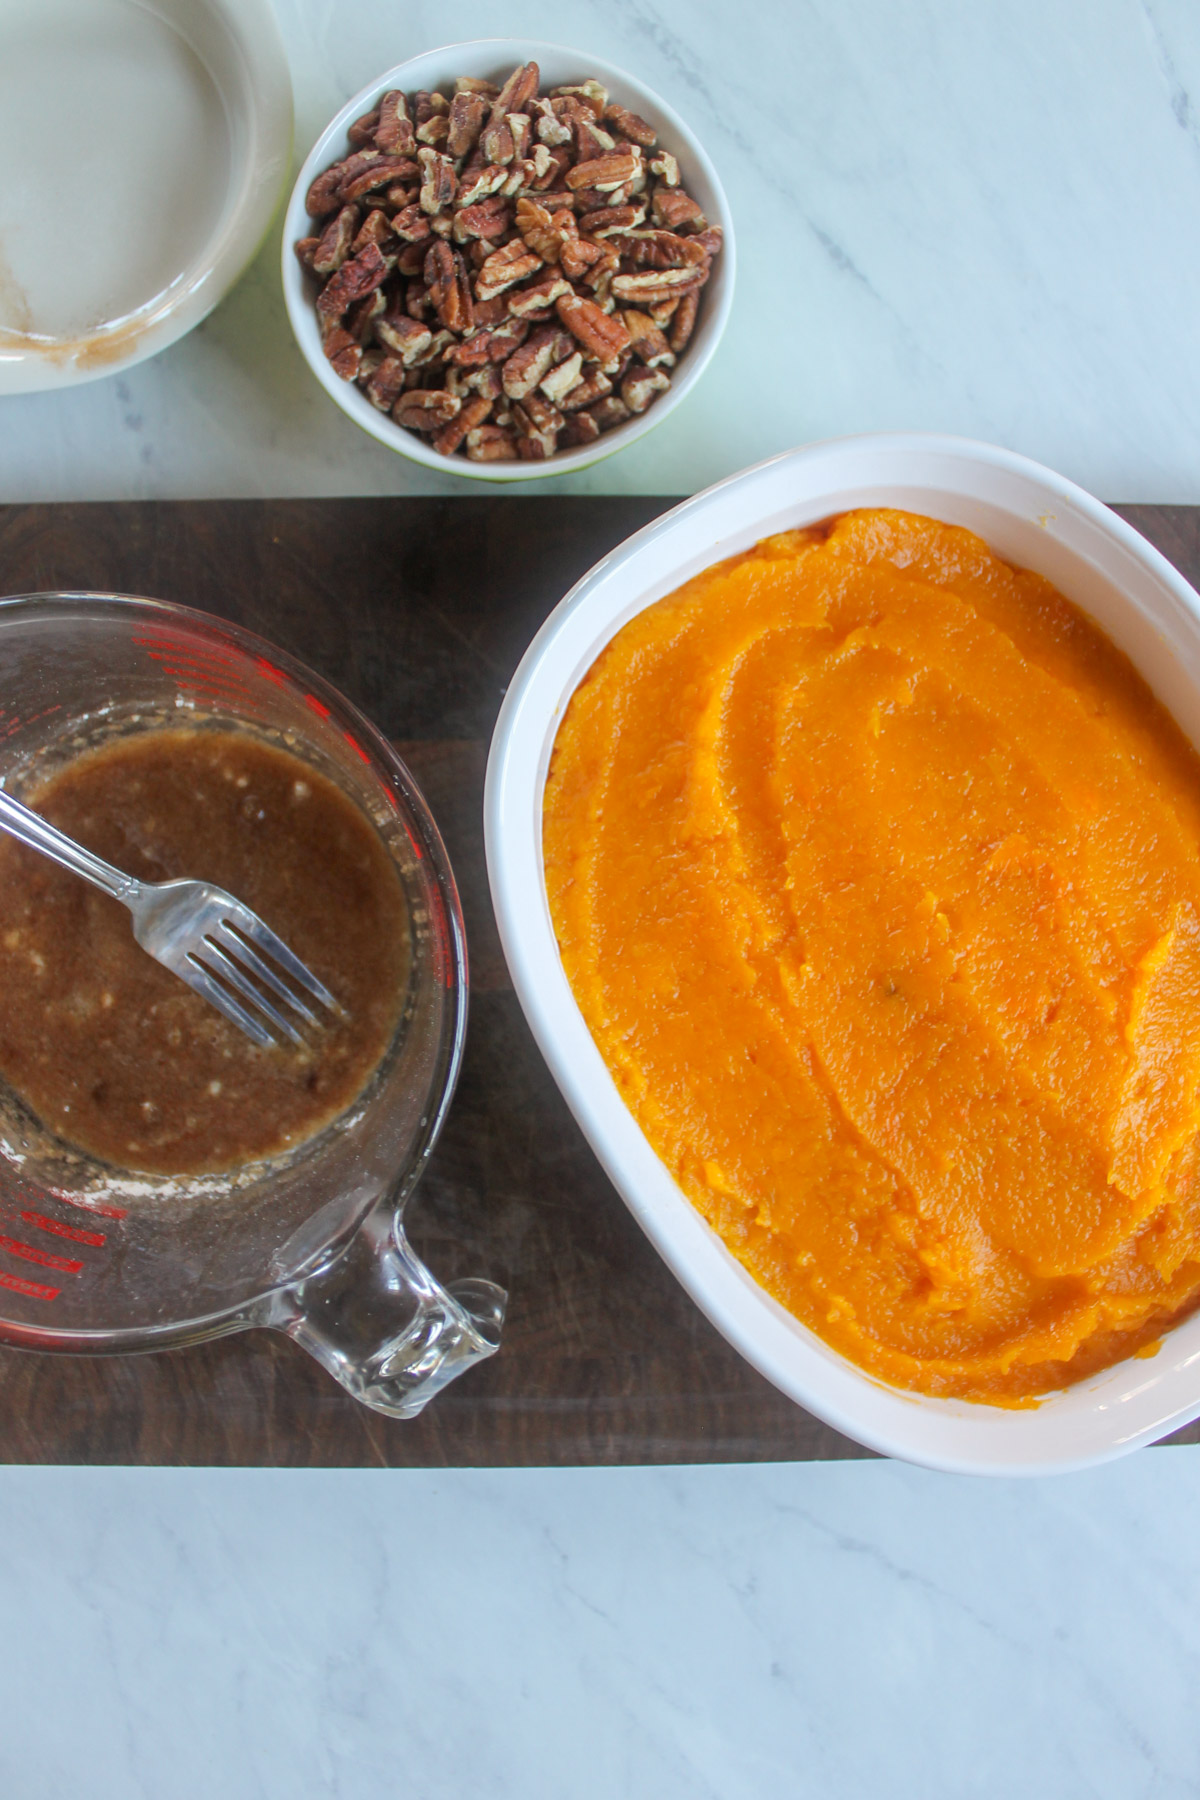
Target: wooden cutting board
point(419, 610)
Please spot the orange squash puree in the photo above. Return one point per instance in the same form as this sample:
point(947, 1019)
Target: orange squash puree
point(875, 870)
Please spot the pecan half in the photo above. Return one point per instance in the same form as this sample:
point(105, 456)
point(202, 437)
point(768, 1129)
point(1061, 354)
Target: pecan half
point(335, 242)
point(602, 335)
point(407, 338)
point(536, 299)
point(471, 414)
point(609, 219)
point(489, 218)
point(684, 322)
point(343, 352)
point(593, 387)
point(673, 208)
point(362, 132)
point(439, 184)
point(655, 284)
point(412, 224)
point(491, 443)
point(606, 172)
point(477, 184)
point(379, 171)
point(449, 288)
point(356, 277)
point(504, 268)
point(561, 379)
point(426, 409)
point(395, 129)
point(386, 384)
point(467, 113)
point(517, 92)
point(524, 369)
point(630, 125)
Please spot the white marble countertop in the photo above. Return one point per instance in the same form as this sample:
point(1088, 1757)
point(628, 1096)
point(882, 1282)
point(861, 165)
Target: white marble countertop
point(980, 219)
point(971, 218)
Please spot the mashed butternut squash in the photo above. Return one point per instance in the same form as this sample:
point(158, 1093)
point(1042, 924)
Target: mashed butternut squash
point(875, 870)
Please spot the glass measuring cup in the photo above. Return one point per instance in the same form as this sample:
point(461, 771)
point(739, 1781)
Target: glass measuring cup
point(94, 1258)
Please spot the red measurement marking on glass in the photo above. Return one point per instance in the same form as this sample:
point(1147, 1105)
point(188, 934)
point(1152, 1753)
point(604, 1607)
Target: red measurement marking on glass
point(92, 1206)
point(359, 751)
point(74, 1232)
point(27, 1253)
point(318, 706)
point(269, 672)
point(33, 1289)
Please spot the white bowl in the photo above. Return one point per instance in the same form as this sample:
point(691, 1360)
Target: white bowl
point(145, 149)
point(491, 59)
point(1032, 518)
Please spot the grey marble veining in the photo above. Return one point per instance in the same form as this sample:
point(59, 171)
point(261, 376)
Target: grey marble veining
point(979, 219)
point(835, 1630)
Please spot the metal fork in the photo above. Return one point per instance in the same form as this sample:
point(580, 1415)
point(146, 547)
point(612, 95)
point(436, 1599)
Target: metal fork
point(199, 932)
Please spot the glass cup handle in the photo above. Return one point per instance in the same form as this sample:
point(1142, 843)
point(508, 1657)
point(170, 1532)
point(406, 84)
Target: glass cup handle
point(378, 1321)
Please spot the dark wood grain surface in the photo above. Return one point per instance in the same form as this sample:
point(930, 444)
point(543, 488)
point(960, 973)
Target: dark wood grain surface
point(419, 610)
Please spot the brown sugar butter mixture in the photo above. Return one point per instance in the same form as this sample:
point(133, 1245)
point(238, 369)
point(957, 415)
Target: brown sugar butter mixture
point(119, 1057)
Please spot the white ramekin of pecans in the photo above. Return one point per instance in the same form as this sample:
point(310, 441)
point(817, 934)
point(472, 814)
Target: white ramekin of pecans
point(507, 259)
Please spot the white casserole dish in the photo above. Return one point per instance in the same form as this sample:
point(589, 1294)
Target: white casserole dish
point(1029, 516)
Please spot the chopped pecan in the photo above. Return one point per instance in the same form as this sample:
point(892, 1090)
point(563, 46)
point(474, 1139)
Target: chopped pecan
point(543, 231)
point(673, 208)
point(578, 256)
point(427, 105)
point(471, 414)
point(426, 409)
point(538, 297)
point(491, 312)
point(666, 168)
point(412, 224)
point(593, 94)
point(399, 195)
point(504, 268)
point(395, 131)
point(593, 387)
point(630, 125)
point(550, 129)
point(375, 229)
point(345, 355)
point(608, 412)
point(411, 260)
point(486, 380)
point(606, 172)
point(522, 134)
point(449, 288)
point(649, 344)
point(406, 337)
point(640, 386)
point(335, 241)
point(710, 240)
point(360, 316)
point(322, 196)
point(477, 184)
point(360, 275)
point(386, 384)
point(562, 378)
point(521, 176)
point(537, 414)
point(362, 132)
point(306, 249)
point(434, 131)
point(439, 184)
point(579, 429)
point(467, 112)
point(602, 335)
point(474, 84)
point(434, 357)
point(417, 303)
point(551, 171)
point(491, 443)
point(591, 140)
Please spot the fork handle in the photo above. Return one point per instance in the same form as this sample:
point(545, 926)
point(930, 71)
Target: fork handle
point(38, 834)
